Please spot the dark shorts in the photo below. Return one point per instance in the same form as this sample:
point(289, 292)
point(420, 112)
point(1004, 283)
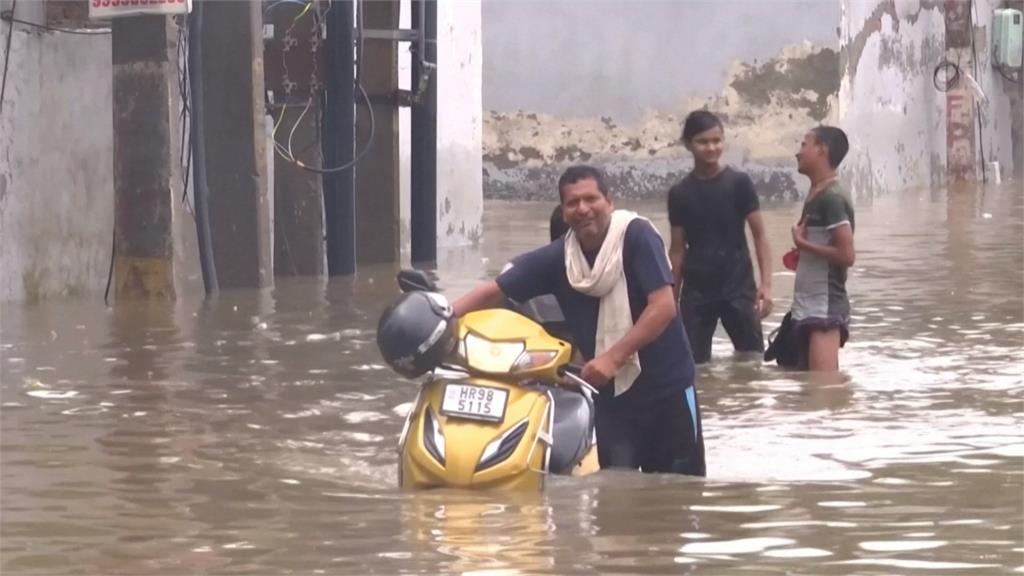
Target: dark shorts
point(738, 316)
point(659, 436)
point(805, 326)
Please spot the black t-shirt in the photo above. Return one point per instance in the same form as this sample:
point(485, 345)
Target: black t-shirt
point(713, 213)
point(666, 363)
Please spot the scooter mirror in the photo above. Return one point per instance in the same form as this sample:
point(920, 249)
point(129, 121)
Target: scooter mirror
point(413, 280)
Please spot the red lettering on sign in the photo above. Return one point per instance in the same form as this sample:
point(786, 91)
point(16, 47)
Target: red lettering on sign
point(95, 3)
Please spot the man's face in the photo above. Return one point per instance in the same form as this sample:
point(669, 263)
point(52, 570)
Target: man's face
point(707, 146)
point(811, 154)
point(587, 211)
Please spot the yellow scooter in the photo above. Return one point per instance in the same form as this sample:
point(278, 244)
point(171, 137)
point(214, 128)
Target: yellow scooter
point(499, 408)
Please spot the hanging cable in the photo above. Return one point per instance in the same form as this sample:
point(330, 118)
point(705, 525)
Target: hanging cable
point(951, 72)
point(285, 150)
point(7, 55)
point(977, 105)
point(198, 133)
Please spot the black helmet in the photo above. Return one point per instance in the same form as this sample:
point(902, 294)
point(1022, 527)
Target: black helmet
point(416, 333)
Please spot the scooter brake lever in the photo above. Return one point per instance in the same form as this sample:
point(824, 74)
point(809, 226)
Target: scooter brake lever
point(580, 382)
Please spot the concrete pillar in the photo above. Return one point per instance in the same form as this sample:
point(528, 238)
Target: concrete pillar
point(459, 123)
point(377, 186)
point(143, 52)
point(236, 143)
point(961, 157)
point(298, 205)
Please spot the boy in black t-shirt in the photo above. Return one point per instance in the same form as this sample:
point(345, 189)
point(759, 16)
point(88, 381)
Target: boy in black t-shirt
point(713, 276)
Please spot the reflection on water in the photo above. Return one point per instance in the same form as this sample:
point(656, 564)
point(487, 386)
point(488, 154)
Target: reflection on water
point(255, 433)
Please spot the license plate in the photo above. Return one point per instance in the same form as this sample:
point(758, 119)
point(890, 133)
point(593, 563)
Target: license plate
point(474, 402)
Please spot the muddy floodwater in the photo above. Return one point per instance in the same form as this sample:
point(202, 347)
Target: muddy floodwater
point(255, 433)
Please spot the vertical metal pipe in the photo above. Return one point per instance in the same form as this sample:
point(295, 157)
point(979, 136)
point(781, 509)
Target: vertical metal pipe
point(423, 200)
point(339, 142)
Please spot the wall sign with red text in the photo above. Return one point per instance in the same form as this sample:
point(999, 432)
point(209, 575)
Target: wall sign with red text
point(116, 8)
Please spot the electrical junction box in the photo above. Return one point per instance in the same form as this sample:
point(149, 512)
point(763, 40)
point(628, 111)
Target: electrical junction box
point(1007, 28)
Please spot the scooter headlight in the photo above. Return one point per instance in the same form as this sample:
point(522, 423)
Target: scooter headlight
point(488, 356)
point(433, 438)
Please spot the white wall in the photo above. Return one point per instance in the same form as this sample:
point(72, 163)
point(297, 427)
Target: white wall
point(888, 103)
point(996, 113)
point(459, 90)
point(56, 192)
point(459, 128)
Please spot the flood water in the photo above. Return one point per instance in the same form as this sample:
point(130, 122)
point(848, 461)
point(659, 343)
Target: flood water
point(255, 433)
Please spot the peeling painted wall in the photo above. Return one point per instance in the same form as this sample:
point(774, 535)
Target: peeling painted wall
point(56, 196)
point(888, 103)
point(1001, 111)
point(613, 88)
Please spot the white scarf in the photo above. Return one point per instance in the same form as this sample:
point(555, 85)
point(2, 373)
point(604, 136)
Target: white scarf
point(607, 281)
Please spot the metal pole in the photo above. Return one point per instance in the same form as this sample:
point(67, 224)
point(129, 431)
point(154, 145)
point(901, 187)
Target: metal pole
point(423, 201)
point(339, 142)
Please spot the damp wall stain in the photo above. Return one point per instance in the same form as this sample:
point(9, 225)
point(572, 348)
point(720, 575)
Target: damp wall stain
point(766, 106)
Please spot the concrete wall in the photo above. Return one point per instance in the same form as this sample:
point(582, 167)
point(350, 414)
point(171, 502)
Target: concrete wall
point(890, 106)
point(610, 83)
point(1001, 113)
point(459, 123)
point(56, 192)
point(888, 103)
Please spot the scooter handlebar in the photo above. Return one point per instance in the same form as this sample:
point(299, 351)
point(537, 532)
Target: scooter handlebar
point(571, 373)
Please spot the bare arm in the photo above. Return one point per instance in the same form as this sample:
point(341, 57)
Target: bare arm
point(486, 295)
point(761, 248)
point(839, 251)
point(677, 256)
point(660, 310)
point(764, 263)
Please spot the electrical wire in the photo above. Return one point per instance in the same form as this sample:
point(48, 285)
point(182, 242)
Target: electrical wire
point(286, 151)
point(977, 105)
point(7, 56)
point(951, 81)
point(185, 153)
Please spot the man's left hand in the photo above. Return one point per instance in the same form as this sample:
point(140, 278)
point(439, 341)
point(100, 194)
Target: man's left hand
point(799, 234)
point(600, 370)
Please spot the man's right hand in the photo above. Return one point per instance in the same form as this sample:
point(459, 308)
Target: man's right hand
point(763, 302)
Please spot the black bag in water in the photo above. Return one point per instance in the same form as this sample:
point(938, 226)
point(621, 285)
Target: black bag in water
point(783, 346)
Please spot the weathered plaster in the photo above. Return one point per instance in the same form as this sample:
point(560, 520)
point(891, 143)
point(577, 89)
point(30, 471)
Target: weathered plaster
point(888, 102)
point(615, 92)
point(766, 108)
point(56, 196)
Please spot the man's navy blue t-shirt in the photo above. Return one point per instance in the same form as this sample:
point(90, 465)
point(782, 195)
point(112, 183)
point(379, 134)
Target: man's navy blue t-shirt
point(666, 363)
